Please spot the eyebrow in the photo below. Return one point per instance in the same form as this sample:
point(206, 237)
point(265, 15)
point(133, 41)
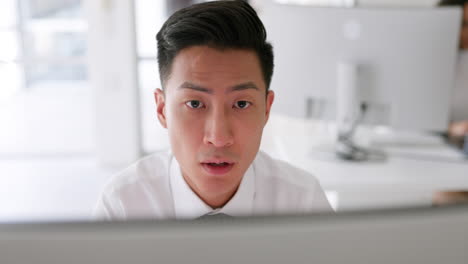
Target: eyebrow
point(244, 86)
point(192, 86)
point(238, 87)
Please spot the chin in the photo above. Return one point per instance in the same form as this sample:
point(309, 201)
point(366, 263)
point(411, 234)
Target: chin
point(219, 184)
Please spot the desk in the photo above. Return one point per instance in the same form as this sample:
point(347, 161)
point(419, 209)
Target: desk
point(416, 166)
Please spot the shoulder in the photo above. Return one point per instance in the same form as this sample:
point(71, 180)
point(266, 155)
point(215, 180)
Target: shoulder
point(150, 168)
point(290, 189)
point(138, 189)
point(270, 169)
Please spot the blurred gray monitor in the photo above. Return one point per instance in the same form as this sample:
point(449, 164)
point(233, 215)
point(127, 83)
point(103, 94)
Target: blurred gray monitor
point(421, 235)
point(405, 60)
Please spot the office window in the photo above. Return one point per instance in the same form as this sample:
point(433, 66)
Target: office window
point(54, 40)
point(9, 70)
point(48, 169)
point(46, 104)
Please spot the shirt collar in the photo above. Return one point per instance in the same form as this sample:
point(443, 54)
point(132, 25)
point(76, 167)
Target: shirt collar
point(187, 204)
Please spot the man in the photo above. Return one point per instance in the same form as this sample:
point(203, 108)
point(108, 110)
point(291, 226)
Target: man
point(459, 128)
point(215, 67)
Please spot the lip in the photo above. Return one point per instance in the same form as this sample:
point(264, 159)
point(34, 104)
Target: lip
point(212, 170)
point(217, 160)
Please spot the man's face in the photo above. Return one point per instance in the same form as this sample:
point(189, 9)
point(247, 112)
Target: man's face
point(215, 107)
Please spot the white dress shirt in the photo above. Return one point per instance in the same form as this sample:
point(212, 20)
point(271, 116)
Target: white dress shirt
point(154, 188)
point(460, 92)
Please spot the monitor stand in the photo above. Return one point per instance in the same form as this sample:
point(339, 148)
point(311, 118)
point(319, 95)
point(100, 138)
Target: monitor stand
point(350, 112)
point(346, 147)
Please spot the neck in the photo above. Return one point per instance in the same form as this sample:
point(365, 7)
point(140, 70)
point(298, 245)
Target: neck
point(213, 200)
point(217, 201)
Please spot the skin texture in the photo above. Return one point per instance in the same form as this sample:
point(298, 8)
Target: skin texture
point(450, 197)
point(215, 107)
point(464, 32)
point(457, 132)
point(460, 129)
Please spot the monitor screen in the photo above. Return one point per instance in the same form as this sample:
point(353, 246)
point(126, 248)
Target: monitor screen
point(404, 61)
point(419, 235)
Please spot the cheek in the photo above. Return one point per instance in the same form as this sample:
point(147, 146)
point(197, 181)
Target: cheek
point(185, 130)
point(179, 117)
point(250, 130)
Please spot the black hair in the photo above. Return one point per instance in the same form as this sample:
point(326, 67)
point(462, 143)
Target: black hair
point(453, 2)
point(217, 24)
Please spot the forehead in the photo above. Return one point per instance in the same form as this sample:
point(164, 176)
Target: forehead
point(216, 68)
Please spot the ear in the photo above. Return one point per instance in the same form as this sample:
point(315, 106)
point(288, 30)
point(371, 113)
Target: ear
point(269, 101)
point(160, 99)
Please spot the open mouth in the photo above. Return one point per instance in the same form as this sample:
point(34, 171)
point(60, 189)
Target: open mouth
point(217, 168)
point(222, 164)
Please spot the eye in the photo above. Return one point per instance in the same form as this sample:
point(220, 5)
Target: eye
point(195, 104)
point(242, 104)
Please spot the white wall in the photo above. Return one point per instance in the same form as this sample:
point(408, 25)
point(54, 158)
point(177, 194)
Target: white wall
point(396, 2)
point(259, 3)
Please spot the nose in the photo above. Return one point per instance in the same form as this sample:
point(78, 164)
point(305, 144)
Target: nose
point(218, 130)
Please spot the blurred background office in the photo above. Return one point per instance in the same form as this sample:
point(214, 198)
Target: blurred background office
point(76, 102)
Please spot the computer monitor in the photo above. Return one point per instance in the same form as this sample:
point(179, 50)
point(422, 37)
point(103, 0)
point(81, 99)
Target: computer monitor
point(396, 64)
point(423, 235)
